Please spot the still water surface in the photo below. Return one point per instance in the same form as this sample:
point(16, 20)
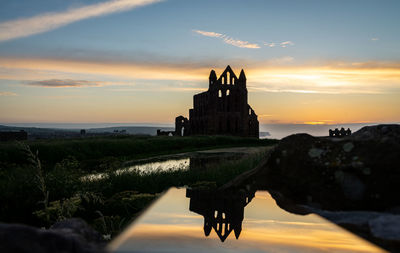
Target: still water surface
point(150, 167)
point(186, 221)
point(194, 160)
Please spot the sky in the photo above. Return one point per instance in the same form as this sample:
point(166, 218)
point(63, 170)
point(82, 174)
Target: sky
point(141, 61)
point(169, 226)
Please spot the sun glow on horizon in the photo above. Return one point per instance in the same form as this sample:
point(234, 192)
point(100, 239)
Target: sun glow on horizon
point(344, 93)
point(315, 123)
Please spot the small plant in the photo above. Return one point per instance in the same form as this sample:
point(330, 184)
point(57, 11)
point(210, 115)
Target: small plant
point(90, 202)
point(110, 225)
point(68, 207)
point(34, 161)
point(59, 210)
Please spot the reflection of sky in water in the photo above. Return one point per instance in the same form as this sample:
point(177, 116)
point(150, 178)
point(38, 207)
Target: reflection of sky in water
point(169, 226)
point(179, 164)
point(168, 165)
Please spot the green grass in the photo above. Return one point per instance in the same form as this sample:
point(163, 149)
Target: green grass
point(159, 181)
point(110, 203)
point(23, 198)
point(92, 152)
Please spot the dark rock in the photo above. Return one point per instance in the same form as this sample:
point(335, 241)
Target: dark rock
point(353, 188)
point(381, 228)
point(386, 133)
point(394, 210)
point(361, 171)
point(66, 238)
point(386, 227)
point(288, 205)
point(79, 227)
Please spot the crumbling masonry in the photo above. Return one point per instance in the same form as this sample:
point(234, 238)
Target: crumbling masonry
point(221, 110)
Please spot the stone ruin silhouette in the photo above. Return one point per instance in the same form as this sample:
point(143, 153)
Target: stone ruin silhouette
point(221, 110)
point(339, 133)
point(222, 211)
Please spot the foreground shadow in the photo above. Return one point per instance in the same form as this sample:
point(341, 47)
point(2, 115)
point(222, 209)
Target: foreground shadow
point(222, 211)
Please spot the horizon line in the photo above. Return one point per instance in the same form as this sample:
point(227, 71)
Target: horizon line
point(148, 124)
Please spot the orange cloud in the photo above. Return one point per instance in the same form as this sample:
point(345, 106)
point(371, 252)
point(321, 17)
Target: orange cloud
point(275, 75)
point(64, 83)
point(331, 78)
point(130, 70)
point(7, 93)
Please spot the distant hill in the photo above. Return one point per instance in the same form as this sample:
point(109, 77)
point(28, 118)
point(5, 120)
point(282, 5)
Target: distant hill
point(35, 129)
point(130, 129)
point(47, 133)
point(264, 134)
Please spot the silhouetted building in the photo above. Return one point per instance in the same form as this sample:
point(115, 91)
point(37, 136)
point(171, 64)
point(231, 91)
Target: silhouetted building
point(221, 110)
point(13, 136)
point(182, 126)
point(223, 212)
point(165, 133)
point(339, 133)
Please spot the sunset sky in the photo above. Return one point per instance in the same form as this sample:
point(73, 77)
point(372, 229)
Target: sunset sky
point(169, 226)
point(141, 61)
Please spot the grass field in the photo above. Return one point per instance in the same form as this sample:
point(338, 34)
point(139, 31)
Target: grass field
point(41, 181)
point(96, 151)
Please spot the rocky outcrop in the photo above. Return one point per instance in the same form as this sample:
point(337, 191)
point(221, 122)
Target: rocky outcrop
point(386, 227)
point(381, 228)
point(361, 171)
point(72, 236)
point(352, 181)
point(384, 133)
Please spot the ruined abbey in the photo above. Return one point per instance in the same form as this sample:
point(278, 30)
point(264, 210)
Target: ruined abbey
point(221, 110)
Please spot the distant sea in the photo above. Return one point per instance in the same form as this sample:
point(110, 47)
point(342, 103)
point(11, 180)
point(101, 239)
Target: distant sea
point(276, 131)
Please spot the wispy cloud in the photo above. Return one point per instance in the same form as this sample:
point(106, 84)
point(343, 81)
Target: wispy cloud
point(374, 39)
point(270, 44)
point(7, 93)
point(286, 43)
point(228, 40)
point(209, 34)
point(58, 83)
point(49, 21)
point(279, 44)
point(241, 43)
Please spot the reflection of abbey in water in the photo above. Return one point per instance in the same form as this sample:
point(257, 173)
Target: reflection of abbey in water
point(221, 110)
point(222, 212)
